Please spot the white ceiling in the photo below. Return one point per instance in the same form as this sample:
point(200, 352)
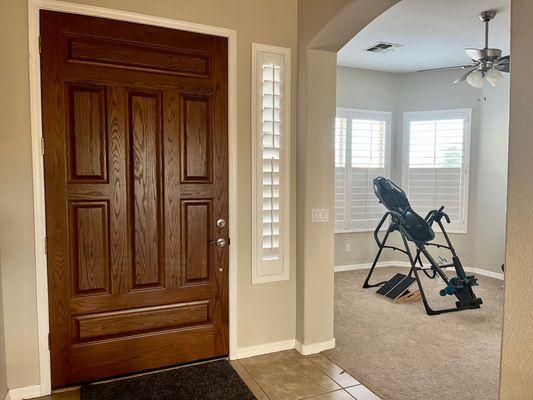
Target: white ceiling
point(433, 33)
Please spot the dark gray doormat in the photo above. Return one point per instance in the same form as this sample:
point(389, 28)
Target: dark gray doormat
point(209, 381)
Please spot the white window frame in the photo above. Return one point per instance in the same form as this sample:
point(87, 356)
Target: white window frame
point(466, 113)
point(265, 271)
point(350, 113)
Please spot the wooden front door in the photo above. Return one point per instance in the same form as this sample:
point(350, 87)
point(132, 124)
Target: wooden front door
point(136, 178)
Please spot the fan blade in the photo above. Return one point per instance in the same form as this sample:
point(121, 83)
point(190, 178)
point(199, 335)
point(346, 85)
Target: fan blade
point(503, 64)
point(474, 54)
point(447, 68)
point(502, 67)
point(464, 76)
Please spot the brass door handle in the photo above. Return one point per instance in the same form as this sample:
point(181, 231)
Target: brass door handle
point(220, 242)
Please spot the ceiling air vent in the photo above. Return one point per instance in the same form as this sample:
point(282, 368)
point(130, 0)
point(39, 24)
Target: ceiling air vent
point(383, 47)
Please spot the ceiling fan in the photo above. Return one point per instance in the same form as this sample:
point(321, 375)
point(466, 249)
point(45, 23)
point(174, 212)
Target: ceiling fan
point(486, 63)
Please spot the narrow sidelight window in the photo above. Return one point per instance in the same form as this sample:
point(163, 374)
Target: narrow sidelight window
point(271, 167)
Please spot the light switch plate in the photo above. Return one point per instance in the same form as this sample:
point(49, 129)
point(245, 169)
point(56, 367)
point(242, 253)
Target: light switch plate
point(319, 215)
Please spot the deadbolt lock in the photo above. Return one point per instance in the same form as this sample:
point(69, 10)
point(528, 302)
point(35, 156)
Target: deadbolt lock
point(221, 223)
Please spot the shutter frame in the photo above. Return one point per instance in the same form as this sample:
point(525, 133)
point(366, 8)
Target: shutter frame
point(270, 264)
point(363, 224)
point(459, 225)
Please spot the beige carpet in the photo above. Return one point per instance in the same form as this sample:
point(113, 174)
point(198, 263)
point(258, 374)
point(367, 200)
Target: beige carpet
point(400, 353)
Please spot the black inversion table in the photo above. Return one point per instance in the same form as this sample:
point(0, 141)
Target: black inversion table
point(413, 228)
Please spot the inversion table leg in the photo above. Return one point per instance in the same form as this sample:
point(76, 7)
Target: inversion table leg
point(367, 284)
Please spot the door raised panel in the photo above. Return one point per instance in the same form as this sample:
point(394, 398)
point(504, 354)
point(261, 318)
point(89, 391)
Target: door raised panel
point(196, 250)
point(145, 175)
point(89, 230)
point(87, 138)
point(137, 321)
point(196, 138)
point(122, 54)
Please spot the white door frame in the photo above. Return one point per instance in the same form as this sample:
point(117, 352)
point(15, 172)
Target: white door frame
point(34, 6)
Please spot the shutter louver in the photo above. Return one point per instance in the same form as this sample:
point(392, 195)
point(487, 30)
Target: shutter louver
point(340, 169)
point(271, 101)
point(436, 163)
point(368, 162)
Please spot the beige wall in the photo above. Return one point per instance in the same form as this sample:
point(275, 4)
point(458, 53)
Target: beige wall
point(484, 244)
point(315, 190)
point(489, 190)
point(517, 350)
point(314, 286)
point(319, 28)
point(17, 257)
point(266, 312)
point(3, 369)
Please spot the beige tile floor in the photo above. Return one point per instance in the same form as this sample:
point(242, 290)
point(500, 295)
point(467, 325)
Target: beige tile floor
point(286, 375)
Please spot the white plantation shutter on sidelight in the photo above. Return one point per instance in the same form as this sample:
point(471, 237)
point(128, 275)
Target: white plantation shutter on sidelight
point(270, 155)
point(271, 101)
point(361, 154)
point(436, 157)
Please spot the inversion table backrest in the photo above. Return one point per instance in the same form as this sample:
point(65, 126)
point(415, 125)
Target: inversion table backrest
point(395, 199)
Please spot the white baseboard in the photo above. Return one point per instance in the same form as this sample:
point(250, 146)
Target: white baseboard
point(266, 348)
point(484, 272)
point(28, 392)
point(405, 264)
point(380, 264)
point(306, 349)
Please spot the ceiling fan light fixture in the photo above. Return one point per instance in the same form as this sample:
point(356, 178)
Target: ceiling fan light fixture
point(486, 62)
point(494, 76)
point(475, 79)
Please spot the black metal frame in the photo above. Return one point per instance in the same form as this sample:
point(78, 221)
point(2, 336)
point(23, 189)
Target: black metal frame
point(462, 283)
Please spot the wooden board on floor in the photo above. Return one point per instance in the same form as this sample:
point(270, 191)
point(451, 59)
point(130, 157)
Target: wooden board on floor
point(409, 297)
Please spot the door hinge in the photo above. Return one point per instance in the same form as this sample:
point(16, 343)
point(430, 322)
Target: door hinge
point(45, 246)
point(42, 145)
point(40, 44)
point(49, 341)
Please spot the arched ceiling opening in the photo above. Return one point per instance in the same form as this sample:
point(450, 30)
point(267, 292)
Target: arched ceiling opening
point(350, 19)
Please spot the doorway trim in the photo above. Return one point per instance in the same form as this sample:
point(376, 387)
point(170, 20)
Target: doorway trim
point(41, 275)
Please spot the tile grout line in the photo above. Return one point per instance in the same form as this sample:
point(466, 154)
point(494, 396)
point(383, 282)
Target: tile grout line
point(301, 398)
point(341, 388)
point(347, 387)
point(333, 391)
point(251, 376)
point(329, 377)
point(343, 371)
point(349, 394)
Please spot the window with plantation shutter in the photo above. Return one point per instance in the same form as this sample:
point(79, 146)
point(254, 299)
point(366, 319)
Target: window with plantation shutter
point(271, 166)
point(362, 152)
point(436, 155)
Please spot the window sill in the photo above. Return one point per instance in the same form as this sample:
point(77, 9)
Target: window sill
point(451, 232)
point(365, 230)
point(370, 230)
